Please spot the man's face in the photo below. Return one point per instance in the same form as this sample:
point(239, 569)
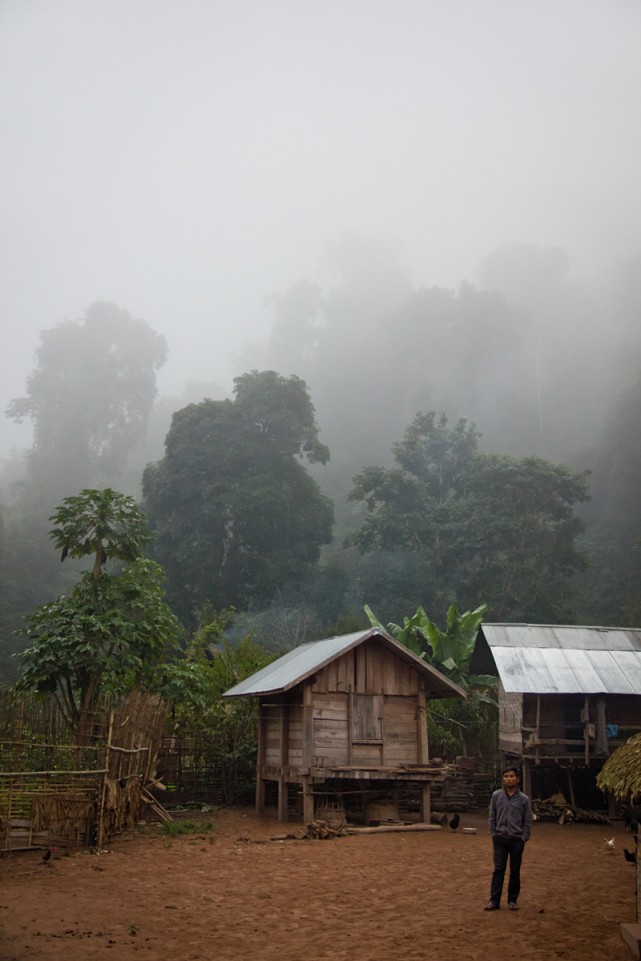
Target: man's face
point(510, 780)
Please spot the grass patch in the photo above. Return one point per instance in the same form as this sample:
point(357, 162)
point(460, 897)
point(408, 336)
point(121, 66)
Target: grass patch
point(176, 828)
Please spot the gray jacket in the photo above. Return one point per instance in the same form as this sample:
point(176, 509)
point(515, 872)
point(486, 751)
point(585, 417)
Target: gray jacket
point(510, 817)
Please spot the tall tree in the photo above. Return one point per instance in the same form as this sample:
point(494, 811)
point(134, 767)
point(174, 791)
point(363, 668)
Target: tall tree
point(554, 407)
point(235, 513)
point(89, 397)
point(476, 524)
point(295, 332)
point(462, 352)
point(615, 517)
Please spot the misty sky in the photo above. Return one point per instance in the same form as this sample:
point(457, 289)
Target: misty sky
point(188, 158)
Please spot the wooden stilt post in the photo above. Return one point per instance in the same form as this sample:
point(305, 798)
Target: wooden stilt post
point(424, 752)
point(308, 754)
point(426, 803)
point(586, 729)
point(308, 801)
point(571, 787)
point(527, 776)
point(260, 761)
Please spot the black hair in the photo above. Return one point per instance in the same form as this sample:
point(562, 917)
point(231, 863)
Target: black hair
point(511, 767)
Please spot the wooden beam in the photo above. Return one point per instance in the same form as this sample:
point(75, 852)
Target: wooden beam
point(308, 725)
point(426, 803)
point(586, 728)
point(308, 801)
point(283, 733)
point(527, 776)
point(421, 721)
point(308, 752)
point(631, 934)
point(571, 788)
point(260, 760)
point(602, 745)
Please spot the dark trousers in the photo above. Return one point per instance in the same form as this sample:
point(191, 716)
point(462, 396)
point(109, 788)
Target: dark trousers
point(505, 848)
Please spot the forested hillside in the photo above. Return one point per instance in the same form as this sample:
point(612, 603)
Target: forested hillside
point(389, 444)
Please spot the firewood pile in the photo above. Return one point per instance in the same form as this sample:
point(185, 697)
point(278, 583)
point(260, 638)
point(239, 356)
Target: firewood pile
point(556, 808)
point(322, 830)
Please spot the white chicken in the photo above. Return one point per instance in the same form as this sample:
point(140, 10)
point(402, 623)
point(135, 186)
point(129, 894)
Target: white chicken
point(609, 845)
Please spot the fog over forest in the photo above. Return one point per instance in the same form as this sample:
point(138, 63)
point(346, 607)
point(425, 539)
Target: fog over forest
point(190, 161)
point(412, 207)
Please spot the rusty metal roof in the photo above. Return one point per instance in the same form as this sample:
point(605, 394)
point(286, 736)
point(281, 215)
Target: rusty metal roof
point(551, 659)
point(305, 660)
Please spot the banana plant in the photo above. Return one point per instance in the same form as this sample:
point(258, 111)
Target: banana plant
point(412, 634)
point(453, 647)
point(450, 650)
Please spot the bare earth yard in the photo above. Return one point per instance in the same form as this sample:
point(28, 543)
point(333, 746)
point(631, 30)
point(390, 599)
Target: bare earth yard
point(232, 894)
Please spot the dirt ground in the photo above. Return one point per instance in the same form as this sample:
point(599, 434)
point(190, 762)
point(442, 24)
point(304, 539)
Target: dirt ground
point(232, 894)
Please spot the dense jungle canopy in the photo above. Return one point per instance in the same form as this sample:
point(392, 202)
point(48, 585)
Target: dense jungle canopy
point(387, 445)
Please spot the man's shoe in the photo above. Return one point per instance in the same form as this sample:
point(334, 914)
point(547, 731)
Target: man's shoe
point(490, 906)
point(513, 906)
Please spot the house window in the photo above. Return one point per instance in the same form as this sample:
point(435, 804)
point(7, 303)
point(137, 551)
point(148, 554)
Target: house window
point(367, 718)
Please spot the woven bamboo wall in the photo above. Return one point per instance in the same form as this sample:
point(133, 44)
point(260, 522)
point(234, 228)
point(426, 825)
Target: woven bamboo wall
point(54, 791)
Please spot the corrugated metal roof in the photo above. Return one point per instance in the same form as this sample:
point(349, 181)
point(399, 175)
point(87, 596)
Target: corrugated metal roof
point(305, 660)
point(550, 659)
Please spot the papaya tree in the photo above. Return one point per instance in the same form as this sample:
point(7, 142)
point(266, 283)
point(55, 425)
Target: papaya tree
point(111, 629)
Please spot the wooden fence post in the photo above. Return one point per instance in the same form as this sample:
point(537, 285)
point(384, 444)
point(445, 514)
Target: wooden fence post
point(103, 792)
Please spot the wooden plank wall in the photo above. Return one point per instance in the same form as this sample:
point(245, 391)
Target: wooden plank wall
point(295, 752)
point(369, 669)
point(270, 720)
point(510, 720)
point(400, 730)
point(331, 729)
point(562, 712)
point(551, 720)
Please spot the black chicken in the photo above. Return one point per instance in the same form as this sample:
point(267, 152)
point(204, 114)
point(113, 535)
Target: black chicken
point(455, 821)
point(630, 856)
point(46, 856)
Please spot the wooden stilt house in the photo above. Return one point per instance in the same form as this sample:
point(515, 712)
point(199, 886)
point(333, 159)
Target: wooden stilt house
point(344, 712)
point(568, 695)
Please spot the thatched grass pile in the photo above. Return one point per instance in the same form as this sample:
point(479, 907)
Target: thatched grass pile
point(621, 773)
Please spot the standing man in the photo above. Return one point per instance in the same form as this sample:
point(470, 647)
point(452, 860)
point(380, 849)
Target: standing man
point(510, 828)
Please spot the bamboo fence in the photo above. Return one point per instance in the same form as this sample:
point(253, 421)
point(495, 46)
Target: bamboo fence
point(57, 792)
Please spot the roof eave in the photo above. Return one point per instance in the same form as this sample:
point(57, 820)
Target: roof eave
point(442, 686)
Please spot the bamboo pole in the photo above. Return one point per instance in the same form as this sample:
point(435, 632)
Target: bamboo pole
point(16, 755)
point(62, 772)
point(103, 793)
